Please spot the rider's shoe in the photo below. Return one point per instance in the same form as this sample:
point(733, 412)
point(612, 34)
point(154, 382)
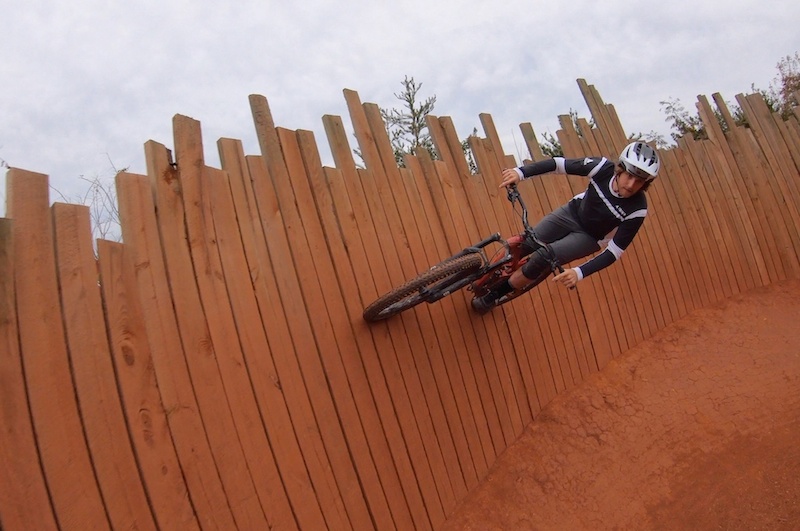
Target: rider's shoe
point(483, 305)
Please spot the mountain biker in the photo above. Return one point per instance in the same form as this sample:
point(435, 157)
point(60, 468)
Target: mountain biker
point(610, 211)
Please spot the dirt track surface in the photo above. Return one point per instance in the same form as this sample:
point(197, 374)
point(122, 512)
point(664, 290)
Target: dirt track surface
point(697, 428)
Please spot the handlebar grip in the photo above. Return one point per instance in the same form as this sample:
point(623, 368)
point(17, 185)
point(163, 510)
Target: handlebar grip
point(561, 270)
point(512, 192)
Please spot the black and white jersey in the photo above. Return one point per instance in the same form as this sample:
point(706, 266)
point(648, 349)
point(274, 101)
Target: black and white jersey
point(600, 211)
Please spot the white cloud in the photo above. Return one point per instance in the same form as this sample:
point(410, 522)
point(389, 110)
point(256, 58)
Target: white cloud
point(89, 83)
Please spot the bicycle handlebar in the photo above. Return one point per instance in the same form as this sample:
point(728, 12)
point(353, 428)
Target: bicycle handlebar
point(515, 197)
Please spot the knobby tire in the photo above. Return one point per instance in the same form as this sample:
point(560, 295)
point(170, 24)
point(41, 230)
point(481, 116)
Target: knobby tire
point(410, 294)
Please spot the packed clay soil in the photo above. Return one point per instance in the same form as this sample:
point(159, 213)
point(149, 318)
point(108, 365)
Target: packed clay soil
point(697, 428)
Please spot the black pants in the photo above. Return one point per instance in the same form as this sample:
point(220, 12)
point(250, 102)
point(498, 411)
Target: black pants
point(566, 237)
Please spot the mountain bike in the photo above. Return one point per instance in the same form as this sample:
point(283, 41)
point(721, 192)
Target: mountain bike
point(471, 268)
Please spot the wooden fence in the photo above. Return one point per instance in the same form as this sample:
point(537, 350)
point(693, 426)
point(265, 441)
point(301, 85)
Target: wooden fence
point(213, 371)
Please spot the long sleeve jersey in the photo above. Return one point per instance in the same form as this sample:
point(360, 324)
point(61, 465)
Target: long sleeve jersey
point(599, 210)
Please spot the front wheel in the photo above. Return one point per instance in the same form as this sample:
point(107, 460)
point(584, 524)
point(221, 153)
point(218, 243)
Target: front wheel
point(411, 293)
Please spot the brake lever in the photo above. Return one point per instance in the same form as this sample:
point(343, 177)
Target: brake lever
point(561, 270)
point(512, 192)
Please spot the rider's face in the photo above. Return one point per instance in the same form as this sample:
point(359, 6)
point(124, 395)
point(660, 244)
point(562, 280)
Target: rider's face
point(627, 184)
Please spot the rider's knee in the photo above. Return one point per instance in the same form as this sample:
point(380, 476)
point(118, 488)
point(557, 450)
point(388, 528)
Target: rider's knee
point(538, 262)
point(528, 245)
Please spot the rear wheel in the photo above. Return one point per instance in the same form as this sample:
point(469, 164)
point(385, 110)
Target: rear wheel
point(411, 293)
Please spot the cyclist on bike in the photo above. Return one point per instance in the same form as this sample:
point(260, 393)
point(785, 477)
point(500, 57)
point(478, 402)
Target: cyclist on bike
point(610, 211)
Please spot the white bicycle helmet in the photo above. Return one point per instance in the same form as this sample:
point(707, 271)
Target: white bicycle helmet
point(640, 160)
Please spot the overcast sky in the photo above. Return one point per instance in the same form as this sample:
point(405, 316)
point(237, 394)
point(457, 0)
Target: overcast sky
point(86, 84)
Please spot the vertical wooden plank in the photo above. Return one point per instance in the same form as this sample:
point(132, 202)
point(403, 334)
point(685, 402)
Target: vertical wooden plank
point(738, 217)
point(574, 335)
point(149, 237)
point(312, 166)
point(439, 180)
point(93, 373)
point(491, 351)
point(297, 455)
point(358, 350)
point(557, 299)
point(363, 242)
point(651, 263)
point(207, 364)
point(606, 282)
point(225, 291)
point(451, 154)
point(291, 284)
point(252, 254)
point(436, 378)
point(492, 137)
point(24, 500)
point(784, 192)
point(715, 200)
point(500, 215)
point(769, 133)
point(255, 193)
point(532, 143)
point(664, 259)
point(524, 336)
point(306, 251)
point(638, 309)
point(450, 384)
point(229, 291)
point(411, 336)
point(675, 233)
point(776, 150)
point(711, 236)
point(656, 305)
point(691, 259)
point(330, 471)
point(705, 178)
point(512, 399)
point(397, 354)
point(59, 432)
point(531, 380)
point(616, 124)
point(217, 364)
point(754, 182)
point(472, 206)
point(417, 333)
point(475, 424)
point(639, 296)
point(589, 298)
point(612, 137)
point(551, 192)
point(452, 190)
point(237, 336)
point(447, 377)
point(480, 215)
point(380, 364)
point(147, 422)
point(789, 131)
point(697, 228)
